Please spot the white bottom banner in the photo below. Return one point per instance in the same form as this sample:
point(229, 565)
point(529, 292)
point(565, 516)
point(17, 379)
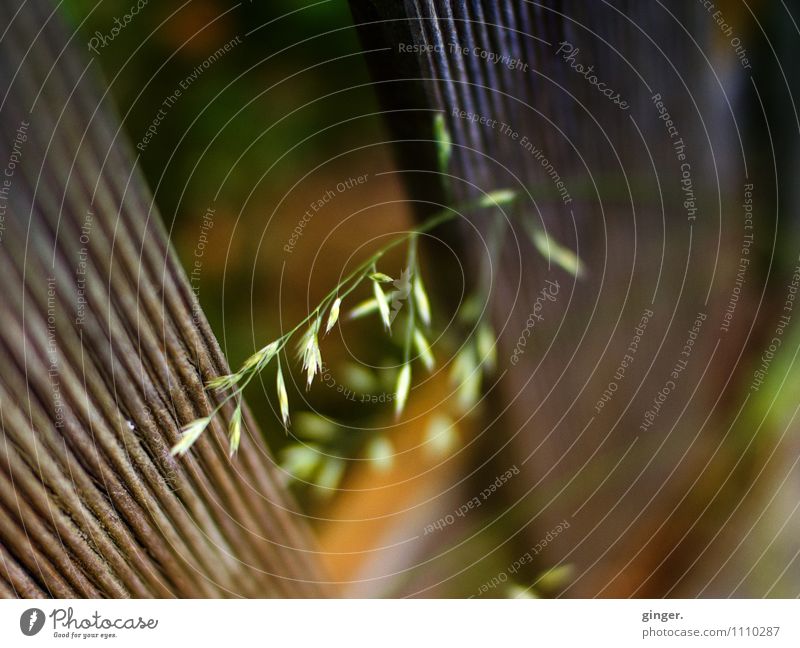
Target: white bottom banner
point(401, 623)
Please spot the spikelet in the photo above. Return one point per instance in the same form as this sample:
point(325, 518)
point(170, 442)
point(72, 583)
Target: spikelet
point(486, 345)
point(333, 315)
point(310, 425)
point(363, 308)
point(223, 382)
point(301, 461)
point(401, 391)
point(380, 453)
point(380, 277)
point(498, 198)
point(424, 349)
point(309, 352)
point(466, 377)
point(383, 304)
point(563, 257)
point(441, 437)
point(260, 358)
point(235, 430)
point(283, 397)
point(421, 300)
point(329, 476)
point(189, 434)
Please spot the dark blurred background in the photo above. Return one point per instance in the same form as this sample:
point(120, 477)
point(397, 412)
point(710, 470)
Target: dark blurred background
point(268, 128)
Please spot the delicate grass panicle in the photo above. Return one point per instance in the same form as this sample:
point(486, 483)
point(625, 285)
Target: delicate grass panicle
point(308, 348)
point(307, 461)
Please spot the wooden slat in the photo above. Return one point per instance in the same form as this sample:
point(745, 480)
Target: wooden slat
point(104, 356)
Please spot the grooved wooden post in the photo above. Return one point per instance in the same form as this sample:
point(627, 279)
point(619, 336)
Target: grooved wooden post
point(103, 357)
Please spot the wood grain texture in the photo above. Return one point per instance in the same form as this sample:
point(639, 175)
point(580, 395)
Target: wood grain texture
point(647, 507)
point(104, 351)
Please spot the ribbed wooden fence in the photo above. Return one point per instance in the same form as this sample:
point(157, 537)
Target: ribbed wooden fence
point(103, 355)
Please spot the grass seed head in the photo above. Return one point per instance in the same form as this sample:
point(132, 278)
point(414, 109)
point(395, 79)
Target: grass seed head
point(424, 349)
point(380, 277)
point(486, 345)
point(402, 389)
point(441, 437)
point(363, 308)
point(383, 304)
point(466, 377)
point(498, 198)
point(563, 257)
point(329, 476)
point(313, 426)
point(235, 430)
point(333, 315)
point(301, 461)
point(283, 397)
point(189, 434)
point(421, 301)
point(223, 382)
point(310, 353)
point(380, 453)
point(260, 358)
